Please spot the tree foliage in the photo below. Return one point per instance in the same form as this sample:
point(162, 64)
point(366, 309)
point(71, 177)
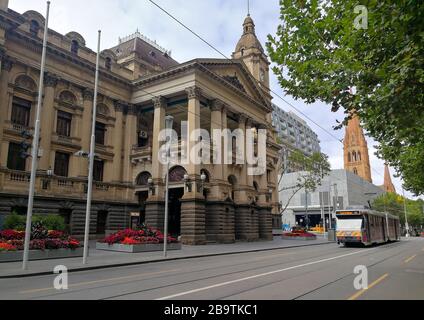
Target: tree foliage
point(311, 172)
point(321, 55)
point(394, 204)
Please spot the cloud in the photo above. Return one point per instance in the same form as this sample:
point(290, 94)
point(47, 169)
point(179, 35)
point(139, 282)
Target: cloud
point(218, 21)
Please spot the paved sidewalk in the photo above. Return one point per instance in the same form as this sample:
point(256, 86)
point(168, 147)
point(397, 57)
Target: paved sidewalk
point(105, 259)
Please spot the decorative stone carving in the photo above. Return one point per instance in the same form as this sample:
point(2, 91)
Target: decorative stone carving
point(235, 82)
point(120, 106)
point(67, 97)
point(217, 105)
point(102, 109)
point(50, 80)
point(88, 94)
point(6, 64)
point(25, 82)
point(194, 92)
point(132, 109)
point(159, 102)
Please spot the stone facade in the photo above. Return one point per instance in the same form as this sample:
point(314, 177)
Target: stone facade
point(140, 84)
point(356, 155)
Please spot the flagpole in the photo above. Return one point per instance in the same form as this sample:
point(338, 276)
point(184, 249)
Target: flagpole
point(91, 156)
point(35, 145)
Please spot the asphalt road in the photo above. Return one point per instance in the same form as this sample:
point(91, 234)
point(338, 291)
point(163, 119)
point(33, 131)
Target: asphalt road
point(395, 271)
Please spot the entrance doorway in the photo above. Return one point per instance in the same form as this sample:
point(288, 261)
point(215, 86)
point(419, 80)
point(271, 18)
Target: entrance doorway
point(142, 198)
point(174, 226)
point(101, 223)
point(66, 214)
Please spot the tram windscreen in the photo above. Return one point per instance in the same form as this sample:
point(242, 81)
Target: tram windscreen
point(349, 222)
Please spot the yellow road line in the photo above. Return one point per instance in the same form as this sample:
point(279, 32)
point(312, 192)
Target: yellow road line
point(99, 281)
point(361, 292)
point(410, 259)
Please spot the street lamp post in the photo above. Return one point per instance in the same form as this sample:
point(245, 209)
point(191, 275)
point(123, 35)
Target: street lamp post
point(169, 121)
point(406, 215)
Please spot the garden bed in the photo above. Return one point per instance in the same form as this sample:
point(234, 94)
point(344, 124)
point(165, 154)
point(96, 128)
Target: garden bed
point(136, 248)
point(14, 256)
point(145, 239)
point(299, 233)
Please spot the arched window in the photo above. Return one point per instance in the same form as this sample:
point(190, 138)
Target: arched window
point(74, 46)
point(108, 63)
point(176, 174)
point(143, 179)
point(34, 28)
point(354, 156)
point(206, 173)
point(349, 157)
point(355, 171)
point(359, 156)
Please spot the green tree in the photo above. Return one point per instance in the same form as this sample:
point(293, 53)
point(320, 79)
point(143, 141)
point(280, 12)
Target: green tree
point(394, 204)
point(322, 55)
point(311, 172)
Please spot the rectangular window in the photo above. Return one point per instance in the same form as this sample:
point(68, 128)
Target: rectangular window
point(14, 159)
point(98, 170)
point(303, 199)
point(100, 133)
point(64, 121)
point(21, 111)
point(61, 164)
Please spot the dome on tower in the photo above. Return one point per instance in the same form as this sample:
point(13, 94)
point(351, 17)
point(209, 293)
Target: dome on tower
point(249, 40)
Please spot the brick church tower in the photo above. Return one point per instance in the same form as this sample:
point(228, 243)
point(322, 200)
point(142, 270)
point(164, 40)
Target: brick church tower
point(388, 184)
point(356, 157)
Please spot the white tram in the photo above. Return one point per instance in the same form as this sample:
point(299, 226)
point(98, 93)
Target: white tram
point(367, 227)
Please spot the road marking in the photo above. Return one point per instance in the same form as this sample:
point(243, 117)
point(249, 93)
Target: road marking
point(361, 292)
point(99, 281)
point(410, 258)
point(259, 275)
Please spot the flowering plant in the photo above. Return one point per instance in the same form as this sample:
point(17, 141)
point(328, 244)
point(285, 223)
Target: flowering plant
point(7, 247)
point(145, 235)
point(12, 235)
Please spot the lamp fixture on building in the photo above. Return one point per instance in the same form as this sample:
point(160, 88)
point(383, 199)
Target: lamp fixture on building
point(188, 182)
point(151, 185)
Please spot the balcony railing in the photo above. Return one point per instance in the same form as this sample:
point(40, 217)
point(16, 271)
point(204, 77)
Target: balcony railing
point(12, 181)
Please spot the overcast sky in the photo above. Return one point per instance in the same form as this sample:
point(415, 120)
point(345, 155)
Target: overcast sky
point(218, 21)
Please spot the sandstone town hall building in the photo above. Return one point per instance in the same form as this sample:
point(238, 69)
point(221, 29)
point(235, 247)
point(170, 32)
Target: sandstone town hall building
point(140, 84)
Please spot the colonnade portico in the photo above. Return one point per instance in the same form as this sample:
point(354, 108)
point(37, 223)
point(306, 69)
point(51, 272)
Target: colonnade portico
point(214, 215)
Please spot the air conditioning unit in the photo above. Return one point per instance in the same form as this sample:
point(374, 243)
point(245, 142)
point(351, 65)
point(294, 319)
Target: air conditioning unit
point(143, 134)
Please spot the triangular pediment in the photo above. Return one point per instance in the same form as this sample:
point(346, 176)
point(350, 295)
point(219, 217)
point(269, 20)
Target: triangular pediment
point(236, 74)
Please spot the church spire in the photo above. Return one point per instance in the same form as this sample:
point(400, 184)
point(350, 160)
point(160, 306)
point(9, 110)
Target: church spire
point(388, 184)
point(356, 156)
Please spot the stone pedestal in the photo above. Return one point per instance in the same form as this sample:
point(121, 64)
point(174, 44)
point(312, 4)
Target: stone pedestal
point(242, 222)
point(220, 222)
point(265, 223)
point(155, 214)
point(254, 229)
point(193, 221)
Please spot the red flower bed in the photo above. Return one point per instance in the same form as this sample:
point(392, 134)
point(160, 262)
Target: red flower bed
point(7, 247)
point(145, 235)
point(41, 239)
point(303, 235)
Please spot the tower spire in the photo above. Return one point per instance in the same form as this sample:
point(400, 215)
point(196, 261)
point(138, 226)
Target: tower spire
point(388, 184)
point(356, 156)
point(248, 8)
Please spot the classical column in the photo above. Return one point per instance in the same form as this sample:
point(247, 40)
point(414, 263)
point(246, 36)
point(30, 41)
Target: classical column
point(85, 134)
point(265, 205)
point(249, 178)
point(118, 142)
point(193, 203)
point(130, 141)
point(242, 126)
point(224, 126)
point(155, 206)
point(47, 121)
point(6, 66)
point(216, 125)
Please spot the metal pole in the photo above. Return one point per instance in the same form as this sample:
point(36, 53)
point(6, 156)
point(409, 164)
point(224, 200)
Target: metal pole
point(165, 239)
point(307, 216)
point(91, 156)
point(406, 215)
point(329, 205)
point(35, 145)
